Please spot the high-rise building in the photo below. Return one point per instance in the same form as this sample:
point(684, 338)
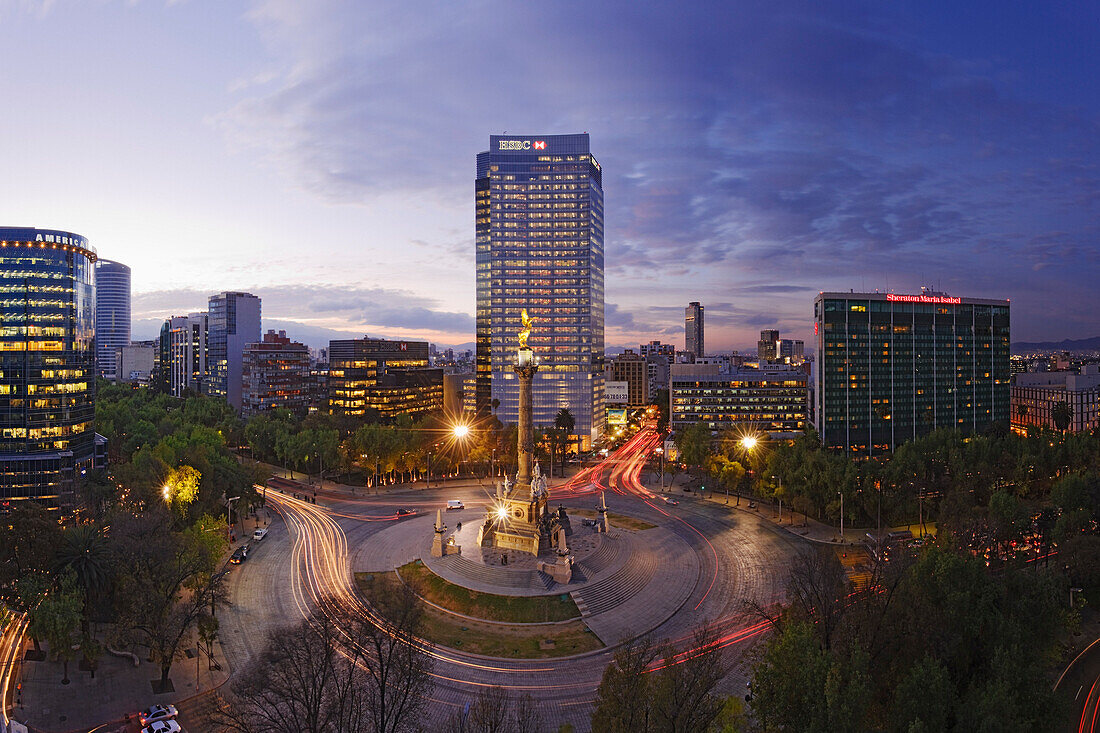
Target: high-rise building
point(767, 348)
point(790, 351)
point(693, 329)
point(275, 374)
point(630, 368)
point(540, 247)
point(234, 324)
point(893, 367)
point(112, 313)
point(772, 400)
point(391, 377)
point(47, 364)
point(188, 354)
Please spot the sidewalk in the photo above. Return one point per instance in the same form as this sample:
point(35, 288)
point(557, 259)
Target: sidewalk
point(791, 521)
point(118, 691)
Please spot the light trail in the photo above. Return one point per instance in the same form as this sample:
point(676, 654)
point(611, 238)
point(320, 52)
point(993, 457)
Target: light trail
point(10, 643)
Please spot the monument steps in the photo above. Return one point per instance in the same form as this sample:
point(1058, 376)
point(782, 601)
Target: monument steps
point(609, 552)
point(633, 576)
point(490, 575)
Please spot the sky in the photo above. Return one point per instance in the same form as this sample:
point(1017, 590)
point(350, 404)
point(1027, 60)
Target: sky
point(321, 154)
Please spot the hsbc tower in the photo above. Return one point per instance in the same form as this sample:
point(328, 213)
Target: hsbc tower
point(540, 246)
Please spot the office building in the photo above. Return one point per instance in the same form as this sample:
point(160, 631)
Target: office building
point(188, 354)
point(112, 313)
point(47, 364)
point(275, 375)
point(767, 348)
point(631, 368)
point(894, 367)
point(234, 324)
point(772, 401)
point(540, 247)
point(136, 362)
point(391, 377)
point(693, 329)
point(1036, 395)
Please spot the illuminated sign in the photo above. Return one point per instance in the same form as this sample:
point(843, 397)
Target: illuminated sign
point(616, 416)
point(59, 239)
point(943, 299)
point(616, 392)
point(522, 145)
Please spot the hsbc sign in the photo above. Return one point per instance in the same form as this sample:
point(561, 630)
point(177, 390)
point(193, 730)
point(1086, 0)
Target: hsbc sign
point(523, 145)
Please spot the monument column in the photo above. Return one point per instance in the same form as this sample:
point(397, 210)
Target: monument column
point(525, 369)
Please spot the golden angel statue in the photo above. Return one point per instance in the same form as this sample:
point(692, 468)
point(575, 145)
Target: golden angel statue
point(526, 331)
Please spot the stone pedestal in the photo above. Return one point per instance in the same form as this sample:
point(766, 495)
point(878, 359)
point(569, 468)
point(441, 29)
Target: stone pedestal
point(603, 524)
point(441, 548)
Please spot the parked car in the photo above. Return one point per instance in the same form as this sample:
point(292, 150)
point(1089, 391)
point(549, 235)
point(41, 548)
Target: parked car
point(588, 522)
point(239, 555)
point(157, 712)
point(162, 726)
point(455, 504)
point(752, 505)
point(259, 534)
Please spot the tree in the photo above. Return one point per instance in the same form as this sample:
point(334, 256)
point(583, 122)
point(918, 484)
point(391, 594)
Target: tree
point(85, 553)
point(304, 680)
point(623, 703)
point(1062, 415)
point(29, 536)
point(398, 671)
point(182, 486)
point(694, 444)
point(57, 620)
point(566, 423)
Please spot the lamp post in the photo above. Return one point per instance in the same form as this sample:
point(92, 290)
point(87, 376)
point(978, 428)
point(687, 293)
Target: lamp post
point(428, 480)
point(229, 510)
point(841, 495)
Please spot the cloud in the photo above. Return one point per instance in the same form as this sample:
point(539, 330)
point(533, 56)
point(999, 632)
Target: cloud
point(772, 149)
point(387, 312)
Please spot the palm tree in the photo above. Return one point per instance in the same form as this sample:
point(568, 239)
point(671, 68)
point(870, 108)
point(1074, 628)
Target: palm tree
point(565, 422)
point(85, 552)
point(1062, 414)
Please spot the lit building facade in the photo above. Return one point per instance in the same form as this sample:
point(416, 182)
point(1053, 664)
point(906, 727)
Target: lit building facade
point(767, 348)
point(136, 362)
point(234, 324)
point(540, 246)
point(892, 367)
point(188, 353)
point(772, 401)
point(693, 330)
point(112, 313)
point(47, 364)
point(391, 377)
point(1036, 395)
point(275, 374)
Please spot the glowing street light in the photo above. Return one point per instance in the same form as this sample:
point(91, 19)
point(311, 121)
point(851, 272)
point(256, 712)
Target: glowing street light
point(461, 430)
point(166, 492)
point(748, 442)
point(502, 513)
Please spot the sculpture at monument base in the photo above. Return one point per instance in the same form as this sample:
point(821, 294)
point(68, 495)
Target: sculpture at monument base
point(439, 547)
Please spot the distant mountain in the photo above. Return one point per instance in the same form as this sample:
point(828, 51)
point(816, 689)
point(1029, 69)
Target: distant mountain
point(1089, 344)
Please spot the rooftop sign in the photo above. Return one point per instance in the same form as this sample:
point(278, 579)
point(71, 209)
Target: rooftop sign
point(943, 299)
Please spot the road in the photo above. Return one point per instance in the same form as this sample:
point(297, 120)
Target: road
point(741, 558)
point(1079, 690)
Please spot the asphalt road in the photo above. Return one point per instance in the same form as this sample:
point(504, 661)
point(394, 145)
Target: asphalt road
point(306, 557)
point(1079, 690)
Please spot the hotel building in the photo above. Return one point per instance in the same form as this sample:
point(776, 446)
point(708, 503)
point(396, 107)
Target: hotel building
point(540, 246)
point(275, 374)
point(892, 367)
point(47, 364)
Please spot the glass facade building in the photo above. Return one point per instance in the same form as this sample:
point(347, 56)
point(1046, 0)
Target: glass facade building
point(540, 245)
point(112, 313)
point(693, 329)
point(234, 324)
point(391, 377)
point(891, 367)
point(768, 400)
point(47, 364)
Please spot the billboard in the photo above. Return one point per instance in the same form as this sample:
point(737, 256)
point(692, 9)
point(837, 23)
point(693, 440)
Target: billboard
point(616, 416)
point(616, 393)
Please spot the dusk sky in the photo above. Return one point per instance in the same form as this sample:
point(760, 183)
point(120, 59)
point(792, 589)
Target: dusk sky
point(322, 154)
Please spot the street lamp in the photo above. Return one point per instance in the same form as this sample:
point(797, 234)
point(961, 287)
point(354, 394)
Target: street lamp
point(461, 430)
point(166, 492)
point(748, 442)
point(780, 497)
point(841, 495)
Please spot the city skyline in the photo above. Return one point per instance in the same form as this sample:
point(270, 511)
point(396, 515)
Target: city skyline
point(318, 156)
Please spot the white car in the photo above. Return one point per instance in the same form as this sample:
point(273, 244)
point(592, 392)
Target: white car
point(670, 500)
point(162, 726)
point(157, 712)
point(455, 504)
point(259, 534)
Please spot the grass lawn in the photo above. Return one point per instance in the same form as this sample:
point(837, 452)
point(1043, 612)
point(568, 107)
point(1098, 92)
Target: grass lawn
point(488, 606)
point(534, 641)
point(617, 520)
